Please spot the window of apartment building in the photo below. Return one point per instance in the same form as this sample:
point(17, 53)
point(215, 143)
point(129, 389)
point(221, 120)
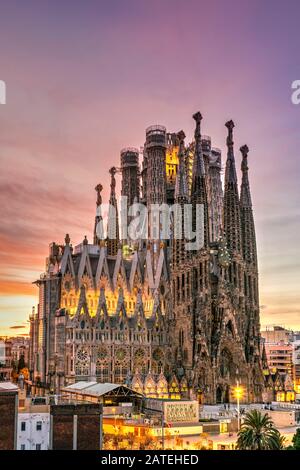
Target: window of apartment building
point(38, 447)
point(39, 425)
point(23, 426)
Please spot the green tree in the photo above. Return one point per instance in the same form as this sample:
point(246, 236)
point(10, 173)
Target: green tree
point(259, 433)
point(295, 441)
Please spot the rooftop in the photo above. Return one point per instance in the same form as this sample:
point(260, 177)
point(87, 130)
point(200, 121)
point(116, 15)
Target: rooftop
point(8, 387)
point(97, 389)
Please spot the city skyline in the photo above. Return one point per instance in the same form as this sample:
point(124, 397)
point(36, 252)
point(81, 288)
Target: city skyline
point(74, 100)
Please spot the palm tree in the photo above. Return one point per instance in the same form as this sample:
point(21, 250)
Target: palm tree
point(259, 433)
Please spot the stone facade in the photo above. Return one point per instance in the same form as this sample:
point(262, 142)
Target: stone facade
point(168, 322)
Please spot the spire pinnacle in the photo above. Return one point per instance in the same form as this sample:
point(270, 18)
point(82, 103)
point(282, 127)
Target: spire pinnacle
point(245, 186)
point(231, 208)
point(98, 189)
point(181, 198)
point(112, 172)
point(230, 173)
point(181, 189)
point(199, 183)
point(98, 228)
point(244, 151)
point(198, 118)
point(181, 137)
point(248, 227)
point(230, 126)
point(198, 164)
point(113, 224)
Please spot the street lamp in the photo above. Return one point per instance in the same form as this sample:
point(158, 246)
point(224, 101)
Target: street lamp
point(238, 391)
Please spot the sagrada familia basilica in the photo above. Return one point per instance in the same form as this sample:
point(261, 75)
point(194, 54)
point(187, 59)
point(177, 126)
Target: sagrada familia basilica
point(167, 321)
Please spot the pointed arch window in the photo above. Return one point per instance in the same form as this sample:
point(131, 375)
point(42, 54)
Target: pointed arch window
point(225, 363)
point(229, 328)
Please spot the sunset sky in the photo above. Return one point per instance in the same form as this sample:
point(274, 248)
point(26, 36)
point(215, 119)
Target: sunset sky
point(85, 78)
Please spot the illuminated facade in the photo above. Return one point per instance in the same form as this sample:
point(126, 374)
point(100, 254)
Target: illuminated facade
point(168, 322)
point(296, 362)
point(280, 357)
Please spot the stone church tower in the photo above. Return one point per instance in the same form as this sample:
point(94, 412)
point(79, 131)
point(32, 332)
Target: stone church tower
point(167, 320)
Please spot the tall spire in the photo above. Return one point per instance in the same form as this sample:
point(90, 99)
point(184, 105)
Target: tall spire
point(198, 163)
point(248, 228)
point(216, 194)
point(181, 198)
point(181, 186)
point(98, 228)
point(156, 189)
point(130, 185)
point(245, 187)
point(155, 147)
point(113, 222)
point(250, 259)
point(130, 174)
point(199, 192)
point(231, 215)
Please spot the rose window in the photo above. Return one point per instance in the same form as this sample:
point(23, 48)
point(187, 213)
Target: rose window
point(157, 355)
point(82, 355)
point(139, 355)
point(120, 354)
point(101, 354)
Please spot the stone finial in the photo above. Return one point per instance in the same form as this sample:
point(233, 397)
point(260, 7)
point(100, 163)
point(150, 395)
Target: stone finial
point(181, 184)
point(112, 172)
point(181, 136)
point(198, 163)
point(198, 117)
point(85, 241)
point(67, 239)
point(244, 150)
point(230, 126)
point(98, 189)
